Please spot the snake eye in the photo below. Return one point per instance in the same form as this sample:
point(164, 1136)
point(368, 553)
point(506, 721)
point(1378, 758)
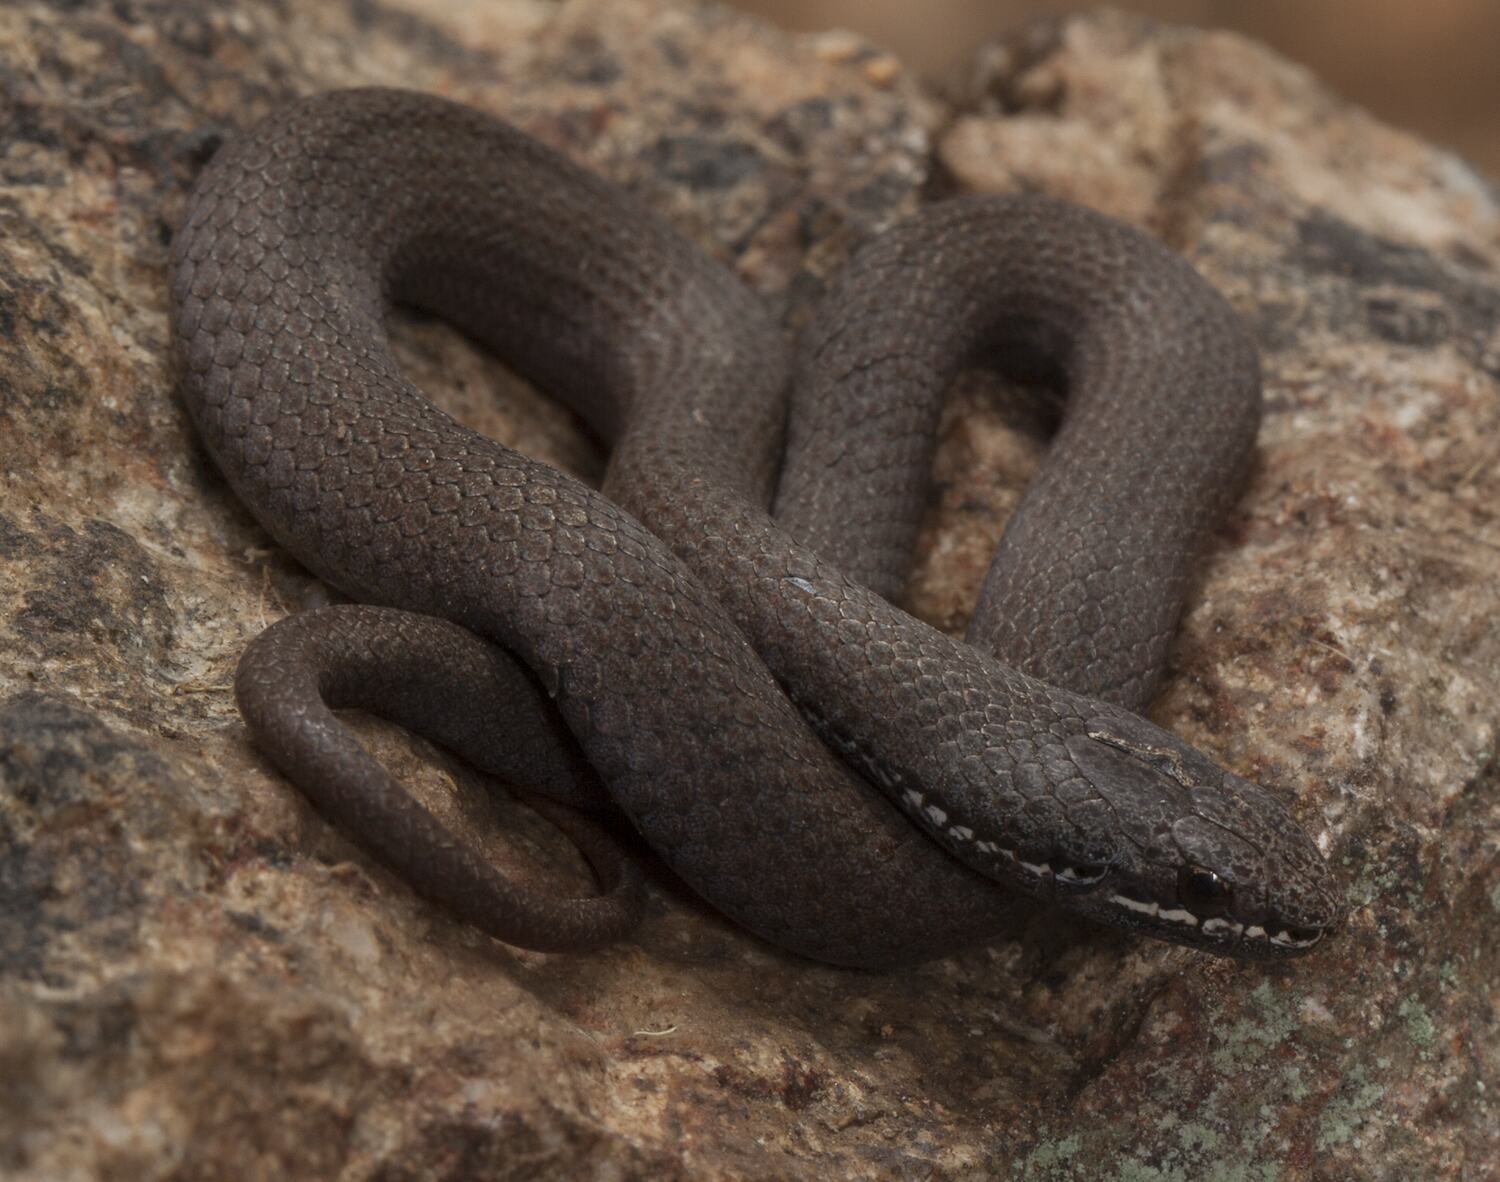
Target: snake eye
point(1202, 891)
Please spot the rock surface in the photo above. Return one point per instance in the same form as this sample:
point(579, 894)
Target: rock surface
point(199, 979)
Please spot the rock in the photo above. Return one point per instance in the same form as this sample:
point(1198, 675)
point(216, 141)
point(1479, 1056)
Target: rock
point(199, 978)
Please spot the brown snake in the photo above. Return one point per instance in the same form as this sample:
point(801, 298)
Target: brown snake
point(1013, 761)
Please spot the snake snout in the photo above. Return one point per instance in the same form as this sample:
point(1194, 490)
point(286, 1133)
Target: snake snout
point(1263, 876)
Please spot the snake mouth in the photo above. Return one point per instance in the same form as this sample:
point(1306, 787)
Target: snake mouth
point(1252, 937)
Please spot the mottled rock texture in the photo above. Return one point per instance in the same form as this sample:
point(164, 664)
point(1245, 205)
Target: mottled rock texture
point(199, 979)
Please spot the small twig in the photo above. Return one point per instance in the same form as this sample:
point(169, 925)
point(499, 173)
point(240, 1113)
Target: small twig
point(202, 687)
point(1487, 458)
point(1333, 648)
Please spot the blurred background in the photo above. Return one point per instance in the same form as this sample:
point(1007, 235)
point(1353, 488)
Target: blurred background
point(1432, 66)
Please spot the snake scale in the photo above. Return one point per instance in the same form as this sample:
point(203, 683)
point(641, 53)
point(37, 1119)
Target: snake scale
point(832, 774)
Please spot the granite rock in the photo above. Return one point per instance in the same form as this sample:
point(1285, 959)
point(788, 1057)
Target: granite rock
point(200, 979)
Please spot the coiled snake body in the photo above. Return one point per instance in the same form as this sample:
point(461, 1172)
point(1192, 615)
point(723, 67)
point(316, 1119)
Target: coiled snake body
point(1013, 761)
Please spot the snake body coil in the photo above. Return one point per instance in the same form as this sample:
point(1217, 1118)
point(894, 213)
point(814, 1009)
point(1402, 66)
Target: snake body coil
point(631, 609)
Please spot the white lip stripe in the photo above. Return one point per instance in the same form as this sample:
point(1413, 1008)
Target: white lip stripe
point(1135, 904)
point(1284, 939)
point(1214, 925)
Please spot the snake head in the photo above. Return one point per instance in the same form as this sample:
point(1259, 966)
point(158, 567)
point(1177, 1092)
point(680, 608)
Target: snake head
point(1200, 856)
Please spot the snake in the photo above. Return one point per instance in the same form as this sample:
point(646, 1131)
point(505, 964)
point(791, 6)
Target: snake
point(708, 643)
